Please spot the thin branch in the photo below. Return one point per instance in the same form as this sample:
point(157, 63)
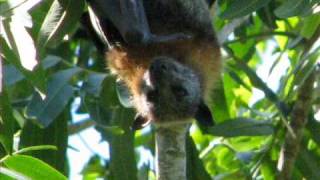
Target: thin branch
point(1, 75)
point(171, 152)
point(298, 116)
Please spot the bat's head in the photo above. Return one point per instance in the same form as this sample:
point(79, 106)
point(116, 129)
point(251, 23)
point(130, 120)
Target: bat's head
point(171, 93)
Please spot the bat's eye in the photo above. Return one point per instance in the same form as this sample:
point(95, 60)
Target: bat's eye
point(179, 91)
point(152, 95)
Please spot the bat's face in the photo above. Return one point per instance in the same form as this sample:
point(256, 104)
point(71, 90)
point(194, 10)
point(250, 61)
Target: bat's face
point(171, 90)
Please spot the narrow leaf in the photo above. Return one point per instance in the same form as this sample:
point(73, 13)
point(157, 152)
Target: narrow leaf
point(36, 77)
point(122, 147)
point(6, 122)
point(241, 8)
point(59, 93)
point(60, 20)
point(242, 127)
point(310, 25)
point(195, 167)
point(33, 138)
point(33, 168)
point(293, 8)
point(12, 75)
point(36, 148)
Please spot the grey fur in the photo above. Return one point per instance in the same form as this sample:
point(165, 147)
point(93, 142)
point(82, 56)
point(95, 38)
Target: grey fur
point(172, 90)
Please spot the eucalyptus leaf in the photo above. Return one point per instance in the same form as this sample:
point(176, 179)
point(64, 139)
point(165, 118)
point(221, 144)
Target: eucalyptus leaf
point(242, 127)
point(12, 75)
point(6, 122)
point(33, 168)
point(241, 8)
point(60, 20)
point(59, 94)
point(36, 77)
point(293, 8)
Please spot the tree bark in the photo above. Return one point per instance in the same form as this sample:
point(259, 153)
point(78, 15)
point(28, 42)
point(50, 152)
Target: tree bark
point(299, 116)
point(171, 152)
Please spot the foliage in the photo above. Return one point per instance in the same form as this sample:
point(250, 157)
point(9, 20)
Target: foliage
point(270, 48)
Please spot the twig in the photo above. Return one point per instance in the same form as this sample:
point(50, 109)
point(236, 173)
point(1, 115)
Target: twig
point(171, 152)
point(298, 116)
point(1, 75)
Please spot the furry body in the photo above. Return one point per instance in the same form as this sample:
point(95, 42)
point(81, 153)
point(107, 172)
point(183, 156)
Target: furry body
point(199, 55)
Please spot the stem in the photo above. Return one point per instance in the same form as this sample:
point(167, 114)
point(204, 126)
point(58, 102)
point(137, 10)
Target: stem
point(171, 152)
point(0, 72)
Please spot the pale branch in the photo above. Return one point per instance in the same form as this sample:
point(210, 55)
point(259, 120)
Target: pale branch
point(171, 152)
point(298, 116)
point(224, 33)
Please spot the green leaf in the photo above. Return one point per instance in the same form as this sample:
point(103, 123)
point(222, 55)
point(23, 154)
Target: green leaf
point(258, 83)
point(195, 167)
point(242, 127)
point(241, 8)
point(12, 75)
point(122, 147)
point(267, 16)
point(33, 168)
point(219, 105)
point(313, 127)
point(60, 20)
point(109, 93)
point(59, 93)
point(36, 148)
point(310, 25)
point(293, 8)
point(6, 122)
point(308, 163)
point(36, 77)
point(39, 142)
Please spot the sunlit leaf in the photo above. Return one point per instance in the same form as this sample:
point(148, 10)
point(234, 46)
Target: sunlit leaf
point(60, 20)
point(310, 25)
point(36, 76)
point(33, 168)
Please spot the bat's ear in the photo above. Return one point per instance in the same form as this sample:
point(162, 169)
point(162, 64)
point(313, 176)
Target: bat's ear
point(203, 115)
point(140, 122)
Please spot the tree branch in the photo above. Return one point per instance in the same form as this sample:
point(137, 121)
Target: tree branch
point(1, 75)
point(299, 117)
point(171, 152)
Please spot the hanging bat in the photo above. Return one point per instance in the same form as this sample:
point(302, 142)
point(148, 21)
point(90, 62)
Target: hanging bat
point(166, 53)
